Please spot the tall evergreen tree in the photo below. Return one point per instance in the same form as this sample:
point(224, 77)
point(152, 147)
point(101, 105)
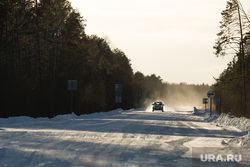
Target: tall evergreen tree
point(232, 37)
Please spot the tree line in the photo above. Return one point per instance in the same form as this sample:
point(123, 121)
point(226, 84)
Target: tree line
point(43, 44)
point(233, 86)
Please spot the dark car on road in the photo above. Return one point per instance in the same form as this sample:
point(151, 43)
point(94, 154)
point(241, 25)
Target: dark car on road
point(158, 105)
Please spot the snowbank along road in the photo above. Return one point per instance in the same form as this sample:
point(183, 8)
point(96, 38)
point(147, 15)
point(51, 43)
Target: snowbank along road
point(117, 138)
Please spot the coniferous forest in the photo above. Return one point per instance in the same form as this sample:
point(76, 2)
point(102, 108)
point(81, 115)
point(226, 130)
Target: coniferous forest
point(43, 44)
point(233, 85)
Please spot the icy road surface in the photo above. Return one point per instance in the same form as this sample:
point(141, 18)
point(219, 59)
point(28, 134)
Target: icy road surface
point(117, 138)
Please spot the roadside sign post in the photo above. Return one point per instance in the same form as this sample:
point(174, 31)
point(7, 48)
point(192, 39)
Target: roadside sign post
point(205, 101)
point(118, 94)
point(218, 100)
point(72, 86)
point(211, 95)
point(138, 98)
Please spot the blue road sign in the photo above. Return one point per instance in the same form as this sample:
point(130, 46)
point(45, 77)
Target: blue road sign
point(217, 100)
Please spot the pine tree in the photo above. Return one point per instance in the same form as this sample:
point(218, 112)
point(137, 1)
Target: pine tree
point(232, 38)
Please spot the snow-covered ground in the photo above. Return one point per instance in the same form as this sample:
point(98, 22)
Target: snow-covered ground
point(118, 138)
point(242, 124)
point(226, 121)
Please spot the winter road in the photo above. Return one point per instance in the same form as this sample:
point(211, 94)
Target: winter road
point(117, 138)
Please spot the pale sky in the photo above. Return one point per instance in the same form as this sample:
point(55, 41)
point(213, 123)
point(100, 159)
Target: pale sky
point(173, 39)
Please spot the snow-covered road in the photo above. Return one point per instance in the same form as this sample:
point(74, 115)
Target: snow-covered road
point(117, 138)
